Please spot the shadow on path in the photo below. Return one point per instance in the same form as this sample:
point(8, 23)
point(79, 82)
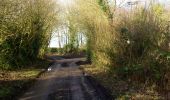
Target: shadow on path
point(65, 81)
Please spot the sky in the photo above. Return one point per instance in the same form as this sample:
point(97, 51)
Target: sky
point(164, 1)
point(65, 3)
point(53, 42)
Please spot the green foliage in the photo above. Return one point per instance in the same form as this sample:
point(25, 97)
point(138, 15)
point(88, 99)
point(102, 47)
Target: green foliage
point(25, 30)
point(53, 50)
point(131, 44)
point(127, 46)
point(141, 46)
point(103, 5)
point(69, 48)
point(13, 83)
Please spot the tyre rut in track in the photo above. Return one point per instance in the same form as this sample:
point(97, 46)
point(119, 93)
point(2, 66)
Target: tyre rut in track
point(65, 81)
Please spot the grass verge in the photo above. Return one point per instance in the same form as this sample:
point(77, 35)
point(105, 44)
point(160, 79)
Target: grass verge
point(122, 89)
point(14, 83)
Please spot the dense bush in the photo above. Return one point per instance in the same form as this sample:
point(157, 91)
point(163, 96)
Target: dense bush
point(132, 44)
point(25, 29)
point(141, 39)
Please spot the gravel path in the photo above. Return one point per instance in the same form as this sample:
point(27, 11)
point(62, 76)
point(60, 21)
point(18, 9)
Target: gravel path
point(63, 81)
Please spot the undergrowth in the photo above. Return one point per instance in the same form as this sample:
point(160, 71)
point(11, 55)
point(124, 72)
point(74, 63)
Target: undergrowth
point(13, 83)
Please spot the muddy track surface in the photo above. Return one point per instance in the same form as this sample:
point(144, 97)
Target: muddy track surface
point(63, 81)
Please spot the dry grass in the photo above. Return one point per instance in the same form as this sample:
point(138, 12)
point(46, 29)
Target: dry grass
point(123, 89)
point(18, 75)
point(13, 83)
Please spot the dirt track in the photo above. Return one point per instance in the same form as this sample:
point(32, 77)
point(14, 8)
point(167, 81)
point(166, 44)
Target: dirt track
point(65, 81)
